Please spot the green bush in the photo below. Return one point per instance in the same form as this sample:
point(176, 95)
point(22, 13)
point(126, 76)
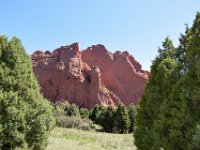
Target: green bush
point(118, 119)
point(84, 112)
point(72, 110)
point(98, 114)
point(75, 122)
point(86, 126)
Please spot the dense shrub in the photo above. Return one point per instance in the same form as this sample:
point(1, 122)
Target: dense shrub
point(195, 139)
point(58, 112)
point(111, 119)
point(72, 110)
point(86, 125)
point(114, 119)
point(70, 116)
point(84, 112)
point(98, 114)
point(74, 122)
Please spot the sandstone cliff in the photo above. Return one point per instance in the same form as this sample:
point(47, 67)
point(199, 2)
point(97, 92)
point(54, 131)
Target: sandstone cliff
point(89, 77)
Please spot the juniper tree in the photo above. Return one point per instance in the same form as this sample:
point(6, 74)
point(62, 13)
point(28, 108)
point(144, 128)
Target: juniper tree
point(179, 117)
point(131, 112)
point(98, 114)
point(25, 116)
point(122, 119)
point(109, 119)
point(156, 92)
point(168, 116)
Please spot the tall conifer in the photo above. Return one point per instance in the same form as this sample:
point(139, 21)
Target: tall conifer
point(156, 92)
point(169, 114)
point(25, 116)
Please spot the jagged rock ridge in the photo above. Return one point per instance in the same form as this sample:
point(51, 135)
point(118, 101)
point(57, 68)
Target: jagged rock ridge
point(89, 77)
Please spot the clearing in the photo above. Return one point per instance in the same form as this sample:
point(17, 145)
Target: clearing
point(74, 139)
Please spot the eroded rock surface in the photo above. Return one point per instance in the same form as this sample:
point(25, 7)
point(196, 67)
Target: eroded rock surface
point(89, 77)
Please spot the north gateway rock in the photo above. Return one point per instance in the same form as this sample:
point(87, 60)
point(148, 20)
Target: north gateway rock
point(89, 77)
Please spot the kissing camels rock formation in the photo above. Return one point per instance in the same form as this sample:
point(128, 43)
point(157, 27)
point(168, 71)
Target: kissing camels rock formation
point(89, 77)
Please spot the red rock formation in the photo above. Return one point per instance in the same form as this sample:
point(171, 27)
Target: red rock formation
point(89, 77)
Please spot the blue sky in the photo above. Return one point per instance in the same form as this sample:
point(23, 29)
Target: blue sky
point(138, 26)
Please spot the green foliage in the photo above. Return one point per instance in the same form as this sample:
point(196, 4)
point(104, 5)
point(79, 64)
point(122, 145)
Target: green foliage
point(25, 116)
point(72, 110)
point(195, 141)
point(114, 119)
point(156, 95)
point(122, 119)
point(75, 122)
point(84, 112)
point(109, 119)
point(69, 116)
point(59, 110)
point(168, 115)
point(94, 112)
point(98, 114)
point(131, 112)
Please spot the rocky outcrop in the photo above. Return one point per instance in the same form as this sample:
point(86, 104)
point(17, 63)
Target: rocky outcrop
point(89, 77)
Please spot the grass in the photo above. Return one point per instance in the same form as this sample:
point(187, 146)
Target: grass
point(73, 139)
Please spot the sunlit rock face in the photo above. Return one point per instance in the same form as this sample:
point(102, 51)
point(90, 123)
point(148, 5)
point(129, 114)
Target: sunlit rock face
point(89, 77)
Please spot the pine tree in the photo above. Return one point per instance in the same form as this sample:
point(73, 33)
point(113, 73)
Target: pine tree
point(25, 116)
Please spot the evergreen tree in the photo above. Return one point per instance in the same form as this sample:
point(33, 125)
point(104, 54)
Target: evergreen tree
point(192, 75)
point(25, 116)
point(131, 113)
point(122, 119)
point(195, 140)
point(94, 112)
point(168, 116)
point(98, 114)
point(156, 92)
point(109, 119)
point(190, 82)
point(179, 116)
